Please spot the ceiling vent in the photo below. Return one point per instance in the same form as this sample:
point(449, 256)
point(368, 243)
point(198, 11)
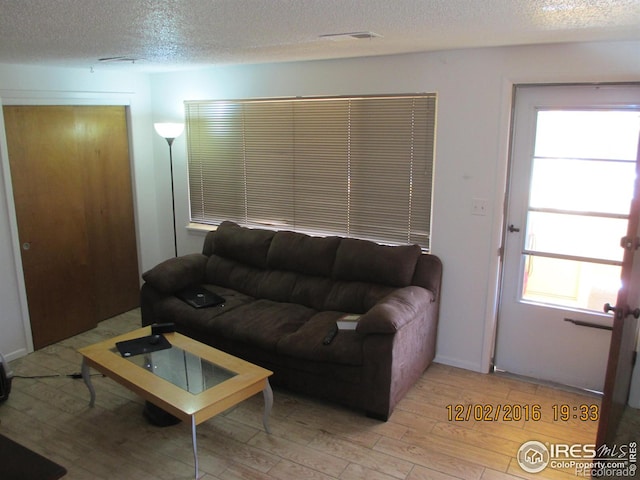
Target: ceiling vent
point(338, 37)
point(121, 59)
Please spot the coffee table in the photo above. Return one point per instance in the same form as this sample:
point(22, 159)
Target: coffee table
point(190, 380)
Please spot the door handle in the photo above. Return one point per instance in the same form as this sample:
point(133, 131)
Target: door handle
point(512, 229)
point(612, 308)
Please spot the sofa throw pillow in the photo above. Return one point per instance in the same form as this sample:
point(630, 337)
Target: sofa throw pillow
point(365, 261)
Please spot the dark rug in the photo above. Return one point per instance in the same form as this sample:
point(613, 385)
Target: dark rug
point(20, 463)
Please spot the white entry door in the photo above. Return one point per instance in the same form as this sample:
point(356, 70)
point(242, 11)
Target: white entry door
point(572, 175)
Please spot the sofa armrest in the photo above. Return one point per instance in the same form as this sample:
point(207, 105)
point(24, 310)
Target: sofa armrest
point(177, 273)
point(395, 310)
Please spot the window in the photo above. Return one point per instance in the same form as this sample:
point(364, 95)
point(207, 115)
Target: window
point(352, 166)
point(572, 252)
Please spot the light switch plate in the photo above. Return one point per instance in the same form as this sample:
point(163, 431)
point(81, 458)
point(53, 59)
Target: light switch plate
point(479, 206)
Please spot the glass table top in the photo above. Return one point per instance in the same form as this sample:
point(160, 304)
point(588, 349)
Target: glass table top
point(181, 368)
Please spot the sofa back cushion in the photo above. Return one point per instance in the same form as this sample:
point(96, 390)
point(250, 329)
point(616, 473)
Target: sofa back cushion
point(355, 297)
point(296, 252)
point(232, 274)
point(364, 261)
point(428, 274)
point(323, 273)
point(245, 245)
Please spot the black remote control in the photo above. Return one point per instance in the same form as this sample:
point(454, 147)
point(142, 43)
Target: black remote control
point(330, 335)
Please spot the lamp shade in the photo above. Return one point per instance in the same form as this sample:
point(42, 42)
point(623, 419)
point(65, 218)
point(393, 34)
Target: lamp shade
point(169, 130)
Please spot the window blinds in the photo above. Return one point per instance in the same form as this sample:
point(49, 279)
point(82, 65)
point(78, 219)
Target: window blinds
point(359, 167)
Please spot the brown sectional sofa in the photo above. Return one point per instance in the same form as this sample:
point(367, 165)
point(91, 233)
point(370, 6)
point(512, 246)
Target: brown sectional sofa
point(285, 290)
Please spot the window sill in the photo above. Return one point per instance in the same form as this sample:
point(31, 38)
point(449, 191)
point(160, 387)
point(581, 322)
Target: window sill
point(200, 228)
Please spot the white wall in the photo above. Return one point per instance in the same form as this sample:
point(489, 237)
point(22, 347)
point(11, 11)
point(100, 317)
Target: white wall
point(474, 90)
point(474, 93)
point(38, 85)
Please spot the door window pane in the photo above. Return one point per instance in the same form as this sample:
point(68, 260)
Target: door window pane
point(580, 185)
point(579, 285)
point(595, 134)
point(582, 177)
point(576, 235)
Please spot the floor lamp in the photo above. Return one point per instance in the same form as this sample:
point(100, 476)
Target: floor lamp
point(169, 131)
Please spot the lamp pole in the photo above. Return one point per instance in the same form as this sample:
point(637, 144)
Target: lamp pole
point(169, 131)
point(173, 197)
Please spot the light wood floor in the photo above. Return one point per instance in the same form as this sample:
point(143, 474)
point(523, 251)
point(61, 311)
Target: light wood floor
point(310, 439)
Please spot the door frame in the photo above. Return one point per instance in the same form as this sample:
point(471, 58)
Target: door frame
point(44, 98)
point(622, 360)
point(535, 97)
point(491, 324)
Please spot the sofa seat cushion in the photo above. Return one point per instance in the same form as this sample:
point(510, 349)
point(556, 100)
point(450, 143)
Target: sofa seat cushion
point(306, 342)
point(262, 322)
point(172, 309)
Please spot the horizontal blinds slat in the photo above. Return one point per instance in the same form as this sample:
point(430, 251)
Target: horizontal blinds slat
point(382, 155)
point(269, 140)
point(321, 148)
point(215, 141)
point(349, 166)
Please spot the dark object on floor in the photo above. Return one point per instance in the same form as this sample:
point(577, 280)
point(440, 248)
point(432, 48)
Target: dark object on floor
point(20, 463)
point(5, 379)
point(158, 417)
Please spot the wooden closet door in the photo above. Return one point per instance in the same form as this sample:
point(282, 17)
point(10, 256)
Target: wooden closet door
point(75, 215)
point(109, 203)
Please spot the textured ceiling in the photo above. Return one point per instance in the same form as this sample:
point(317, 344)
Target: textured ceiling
point(171, 34)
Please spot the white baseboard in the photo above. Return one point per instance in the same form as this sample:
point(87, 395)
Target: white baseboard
point(455, 362)
point(15, 354)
